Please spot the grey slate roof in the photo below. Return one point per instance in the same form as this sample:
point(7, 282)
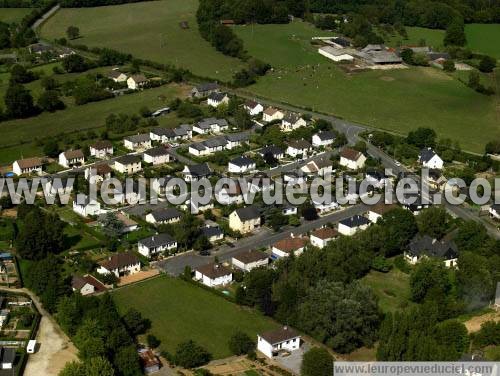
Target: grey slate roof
point(271, 149)
point(199, 170)
point(198, 146)
point(241, 161)
point(157, 240)
point(425, 245)
point(217, 97)
point(168, 132)
point(210, 231)
point(426, 154)
point(247, 213)
point(235, 137)
point(207, 86)
point(128, 159)
point(138, 138)
point(156, 152)
point(215, 142)
point(166, 214)
point(355, 221)
point(326, 135)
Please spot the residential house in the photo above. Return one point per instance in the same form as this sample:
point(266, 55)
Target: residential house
point(205, 89)
point(136, 81)
point(428, 158)
point(101, 149)
point(156, 244)
point(436, 179)
point(288, 209)
point(271, 151)
point(39, 48)
point(350, 226)
point(352, 159)
point(137, 142)
point(72, 158)
point(292, 121)
point(212, 232)
point(425, 246)
point(213, 275)
point(241, 164)
point(235, 139)
point(294, 178)
point(326, 206)
point(120, 264)
point(198, 149)
point(162, 135)
point(117, 76)
point(245, 220)
point(249, 260)
point(415, 204)
point(494, 211)
point(320, 237)
point(335, 54)
point(320, 167)
point(86, 285)
point(196, 172)
point(323, 138)
point(217, 99)
point(215, 144)
point(378, 210)
point(28, 166)
point(285, 247)
point(272, 343)
point(183, 132)
point(229, 195)
point(298, 148)
point(377, 179)
point(162, 187)
point(128, 223)
point(98, 173)
point(272, 114)
point(209, 125)
point(85, 206)
point(149, 361)
point(156, 156)
point(253, 108)
point(128, 164)
point(164, 216)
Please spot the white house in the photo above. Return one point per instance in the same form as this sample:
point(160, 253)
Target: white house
point(298, 148)
point(245, 220)
point(164, 216)
point(323, 138)
point(196, 172)
point(320, 167)
point(71, 158)
point(285, 247)
point(235, 139)
point(325, 207)
point(494, 211)
point(98, 173)
point(217, 99)
point(428, 158)
point(137, 142)
point(350, 226)
point(335, 54)
point(28, 166)
point(212, 232)
point(320, 237)
point(208, 125)
point(213, 275)
point(292, 121)
point(156, 156)
point(424, 247)
point(271, 151)
point(101, 149)
point(136, 81)
point(273, 342)
point(352, 159)
point(249, 260)
point(128, 164)
point(204, 89)
point(377, 211)
point(117, 76)
point(253, 108)
point(156, 244)
point(86, 285)
point(85, 206)
point(120, 264)
point(272, 114)
point(240, 165)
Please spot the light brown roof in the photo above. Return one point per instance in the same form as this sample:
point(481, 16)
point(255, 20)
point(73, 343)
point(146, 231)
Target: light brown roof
point(325, 233)
point(270, 111)
point(299, 144)
point(381, 208)
point(30, 162)
point(315, 166)
point(125, 220)
point(78, 282)
point(291, 244)
point(73, 154)
point(102, 169)
point(251, 256)
point(350, 154)
point(102, 144)
point(119, 260)
point(279, 335)
point(213, 270)
point(139, 78)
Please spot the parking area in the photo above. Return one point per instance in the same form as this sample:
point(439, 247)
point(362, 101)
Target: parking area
point(293, 360)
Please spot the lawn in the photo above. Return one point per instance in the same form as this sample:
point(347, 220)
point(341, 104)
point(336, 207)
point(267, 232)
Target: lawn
point(180, 311)
point(18, 136)
point(432, 37)
point(484, 38)
point(395, 100)
point(392, 288)
point(9, 15)
point(148, 30)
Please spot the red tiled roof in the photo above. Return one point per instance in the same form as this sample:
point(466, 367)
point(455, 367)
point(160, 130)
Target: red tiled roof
point(325, 233)
point(290, 244)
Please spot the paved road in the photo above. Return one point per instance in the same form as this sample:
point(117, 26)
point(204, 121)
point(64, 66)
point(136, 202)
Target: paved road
point(263, 238)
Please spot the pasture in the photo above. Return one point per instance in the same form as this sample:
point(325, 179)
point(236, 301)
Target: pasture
point(484, 38)
point(148, 30)
point(432, 37)
point(180, 311)
point(394, 100)
point(392, 288)
point(9, 15)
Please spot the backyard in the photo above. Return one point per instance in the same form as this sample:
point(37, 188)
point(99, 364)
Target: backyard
point(180, 311)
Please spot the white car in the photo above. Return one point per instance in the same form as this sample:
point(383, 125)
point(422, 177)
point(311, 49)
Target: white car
point(397, 163)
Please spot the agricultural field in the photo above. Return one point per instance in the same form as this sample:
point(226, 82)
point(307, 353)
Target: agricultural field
point(9, 15)
point(392, 288)
point(180, 311)
point(432, 37)
point(394, 100)
point(19, 136)
point(484, 38)
point(148, 30)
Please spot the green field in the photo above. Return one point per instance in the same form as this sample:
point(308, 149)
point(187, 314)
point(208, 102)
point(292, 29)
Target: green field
point(391, 288)
point(148, 30)
point(13, 14)
point(180, 311)
point(18, 136)
point(395, 100)
point(432, 37)
point(484, 38)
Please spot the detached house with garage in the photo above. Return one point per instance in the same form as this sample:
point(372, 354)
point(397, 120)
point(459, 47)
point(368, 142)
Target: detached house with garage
point(164, 216)
point(101, 149)
point(137, 142)
point(156, 156)
point(213, 275)
point(350, 226)
point(271, 151)
point(424, 247)
point(352, 159)
point(120, 264)
point(205, 89)
point(272, 114)
point(253, 108)
point(429, 158)
point(86, 285)
point(245, 220)
point(236, 139)
point(156, 244)
point(323, 138)
point(249, 260)
point(299, 148)
point(377, 211)
point(241, 165)
point(28, 166)
point(117, 76)
point(128, 164)
point(217, 99)
point(273, 342)
point(320, 167)
point(196, 172)
point(320, 237)
point(85, 206)
point(285, 247)
point(209, 125)
point(136, 81)
point(292, 121)
point(72, 158)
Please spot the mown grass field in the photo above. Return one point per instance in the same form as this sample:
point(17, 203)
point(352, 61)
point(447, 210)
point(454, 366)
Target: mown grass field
point(392, 288)
point(432, 37)
point(148, 30)
point(484, 38)
point(180, 311)
point(13, 14)
point(395, 100)
point(19, 136)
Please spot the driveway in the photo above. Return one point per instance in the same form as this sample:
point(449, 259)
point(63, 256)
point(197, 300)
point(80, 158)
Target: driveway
point(293, 361)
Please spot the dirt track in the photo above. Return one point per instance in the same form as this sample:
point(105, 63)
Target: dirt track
point(474, 324)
